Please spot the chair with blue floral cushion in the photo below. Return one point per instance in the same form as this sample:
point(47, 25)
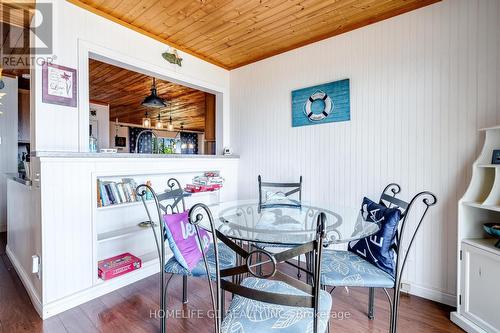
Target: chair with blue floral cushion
point(274, 194)
point(358, 267)
point(261, 304)
point(171, 202)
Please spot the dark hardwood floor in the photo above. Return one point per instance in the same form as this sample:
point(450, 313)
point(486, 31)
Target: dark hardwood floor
point(131, 309)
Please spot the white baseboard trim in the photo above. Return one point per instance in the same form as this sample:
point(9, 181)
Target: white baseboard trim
point(432, 294)
point(465, 323)
point(32, 293)
point(100, 289)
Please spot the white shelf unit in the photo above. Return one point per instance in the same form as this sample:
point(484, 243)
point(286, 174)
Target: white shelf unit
point(478, 262)
point(116, 228)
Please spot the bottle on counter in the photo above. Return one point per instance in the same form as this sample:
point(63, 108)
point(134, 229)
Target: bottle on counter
point(92, 143)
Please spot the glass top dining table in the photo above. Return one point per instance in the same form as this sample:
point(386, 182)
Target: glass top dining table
point(286, 225)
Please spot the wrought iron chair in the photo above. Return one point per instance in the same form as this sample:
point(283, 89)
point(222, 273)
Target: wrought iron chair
point(273, 198)
point(172, 201)
point(281, 304)
point(346, 269)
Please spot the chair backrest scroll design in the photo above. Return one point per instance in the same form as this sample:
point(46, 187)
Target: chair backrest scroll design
point(195, 218)
point(294, 188)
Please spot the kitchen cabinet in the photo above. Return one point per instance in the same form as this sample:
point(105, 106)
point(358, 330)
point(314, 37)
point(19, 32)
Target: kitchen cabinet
point(480, 272)
point(478, 260)
point(209, 117)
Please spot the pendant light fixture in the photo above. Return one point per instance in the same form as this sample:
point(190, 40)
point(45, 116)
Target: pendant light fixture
point(146, 121)
point(170, 125)
point(159, 125)
point(153, 100)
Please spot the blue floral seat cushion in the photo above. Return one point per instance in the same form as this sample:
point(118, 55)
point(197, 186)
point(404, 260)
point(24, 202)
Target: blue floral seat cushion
point(248, 316)
point(227, 259)
point(344, 268)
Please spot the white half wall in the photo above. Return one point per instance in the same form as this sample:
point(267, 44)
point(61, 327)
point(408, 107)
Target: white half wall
point(8, 141)
point(421, 85)
point(75, 29)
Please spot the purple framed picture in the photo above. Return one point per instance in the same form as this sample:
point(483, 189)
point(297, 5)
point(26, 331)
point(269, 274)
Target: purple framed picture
point(59, 85)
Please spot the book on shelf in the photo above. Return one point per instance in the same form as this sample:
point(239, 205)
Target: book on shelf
point(109, 191)
point(103, 194)
point(99, 197)
point(116, 195)
point(121, 193)
point(113, 193)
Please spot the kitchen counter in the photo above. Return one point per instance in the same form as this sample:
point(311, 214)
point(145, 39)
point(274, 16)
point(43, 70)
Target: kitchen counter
point(17, 178)
point(64, 204)
point(60, 154)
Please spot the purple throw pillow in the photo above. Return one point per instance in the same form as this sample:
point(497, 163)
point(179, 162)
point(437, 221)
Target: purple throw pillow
point(183, 240)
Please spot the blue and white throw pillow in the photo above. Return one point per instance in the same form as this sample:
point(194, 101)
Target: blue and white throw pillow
point(379, 249)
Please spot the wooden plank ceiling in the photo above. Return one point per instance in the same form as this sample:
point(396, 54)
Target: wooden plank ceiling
point(15, 18)
point(14, 41)
point(233, 33)
point(124, 91)
point(17, 12)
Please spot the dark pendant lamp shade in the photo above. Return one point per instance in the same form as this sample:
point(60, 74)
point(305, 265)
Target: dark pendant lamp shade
point(153, 100)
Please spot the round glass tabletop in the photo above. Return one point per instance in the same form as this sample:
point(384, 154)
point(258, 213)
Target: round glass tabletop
point(288, 225)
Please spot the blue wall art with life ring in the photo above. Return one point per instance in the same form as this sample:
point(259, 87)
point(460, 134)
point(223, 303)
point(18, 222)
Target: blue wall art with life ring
point(324, 103)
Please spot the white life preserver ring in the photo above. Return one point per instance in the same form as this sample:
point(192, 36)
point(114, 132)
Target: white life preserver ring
point(326, 111)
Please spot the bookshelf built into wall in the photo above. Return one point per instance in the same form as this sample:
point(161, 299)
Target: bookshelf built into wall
point(117, 227)
point(478, 260)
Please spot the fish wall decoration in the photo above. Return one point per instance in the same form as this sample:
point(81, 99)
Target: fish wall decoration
point(172, 57)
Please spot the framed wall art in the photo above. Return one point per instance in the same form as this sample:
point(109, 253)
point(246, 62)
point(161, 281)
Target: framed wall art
point(324, 103)
point(59, 85)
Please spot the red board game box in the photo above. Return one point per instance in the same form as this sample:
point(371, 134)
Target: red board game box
point(118, 265)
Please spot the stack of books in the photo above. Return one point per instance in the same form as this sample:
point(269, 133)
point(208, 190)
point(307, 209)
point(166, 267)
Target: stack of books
point(210, 181)
point(113, 193)
point(209, 178)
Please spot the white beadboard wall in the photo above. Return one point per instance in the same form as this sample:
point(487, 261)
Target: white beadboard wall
point(421, 85)
point(62, 128)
